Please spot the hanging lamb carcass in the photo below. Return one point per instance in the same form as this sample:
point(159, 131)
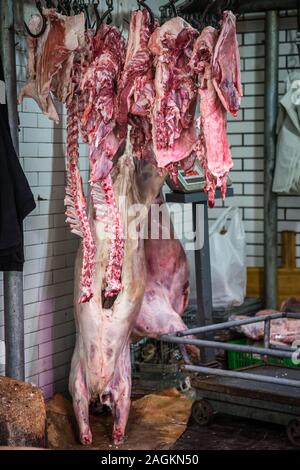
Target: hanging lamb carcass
point(126, 286)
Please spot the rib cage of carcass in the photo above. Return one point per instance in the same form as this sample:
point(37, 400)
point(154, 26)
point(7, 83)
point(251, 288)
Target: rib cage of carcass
point(134, 105)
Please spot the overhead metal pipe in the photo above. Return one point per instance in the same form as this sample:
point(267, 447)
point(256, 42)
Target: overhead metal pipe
point(13, 281)
point(270, 118)
point(240, 6)
point(252, 6)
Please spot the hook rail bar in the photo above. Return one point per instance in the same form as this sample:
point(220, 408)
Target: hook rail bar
point(240, 6)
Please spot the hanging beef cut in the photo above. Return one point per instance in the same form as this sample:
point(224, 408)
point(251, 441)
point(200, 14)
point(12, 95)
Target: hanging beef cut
point(136, 86)
point(101, 360)
point(226, 65)
point(215, 61)
point(173, 127)
point(105, 137)
point(50, 59)
point(55, 64)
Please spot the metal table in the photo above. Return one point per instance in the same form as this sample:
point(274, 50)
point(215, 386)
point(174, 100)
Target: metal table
point(272, 403)
point(270, 393)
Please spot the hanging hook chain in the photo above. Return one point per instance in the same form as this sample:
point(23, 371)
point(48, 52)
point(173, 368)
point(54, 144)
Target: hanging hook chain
point(76, 7)
point(142, 3)
point(110, 7)
point(44, 25)
point(39, 6)
point(64, 7)
point(173, 7)
point(168, 10)
point(49, 4)
point(298, 28)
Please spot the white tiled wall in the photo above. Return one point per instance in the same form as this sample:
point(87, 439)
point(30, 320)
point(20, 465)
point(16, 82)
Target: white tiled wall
point(246, 139)
point(246, 135)
point(50, 248)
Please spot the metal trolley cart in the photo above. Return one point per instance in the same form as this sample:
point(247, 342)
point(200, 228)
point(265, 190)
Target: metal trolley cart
point(265, 392)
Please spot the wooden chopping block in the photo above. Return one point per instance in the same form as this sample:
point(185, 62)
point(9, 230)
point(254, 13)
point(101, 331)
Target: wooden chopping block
point(288, 275)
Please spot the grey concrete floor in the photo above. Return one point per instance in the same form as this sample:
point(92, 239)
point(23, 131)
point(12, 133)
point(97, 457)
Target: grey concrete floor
point(232, 433)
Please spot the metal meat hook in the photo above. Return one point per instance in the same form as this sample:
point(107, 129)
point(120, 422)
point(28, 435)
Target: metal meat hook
point(142, 3)
point(107, 13)
point(40, 8)
point(298, 28)
point(66, 7)
point(84, 7)
point(76, 7)
point(173, 7)
point(168, 10)
point(212, 14)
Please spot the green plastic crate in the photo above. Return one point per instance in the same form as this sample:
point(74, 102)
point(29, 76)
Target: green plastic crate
point(238, 360)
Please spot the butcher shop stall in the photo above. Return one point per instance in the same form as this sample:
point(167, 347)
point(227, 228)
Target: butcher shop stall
point(150, 225)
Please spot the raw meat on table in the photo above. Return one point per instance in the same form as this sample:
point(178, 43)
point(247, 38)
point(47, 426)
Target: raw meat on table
point(283, 330)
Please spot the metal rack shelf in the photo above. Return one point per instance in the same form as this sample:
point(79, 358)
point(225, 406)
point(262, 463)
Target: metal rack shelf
point(269, 392)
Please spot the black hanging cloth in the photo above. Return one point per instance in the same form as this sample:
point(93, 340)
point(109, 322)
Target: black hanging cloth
point(16, 199)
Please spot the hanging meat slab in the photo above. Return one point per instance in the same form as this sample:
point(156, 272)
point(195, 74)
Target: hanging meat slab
point(173, 126)
point(226, 65)
point(99, 82)
point(136, 87)
point(215, 60)
point(50, 59)
point(154, 294)
point(101, 360)
point(105, 137)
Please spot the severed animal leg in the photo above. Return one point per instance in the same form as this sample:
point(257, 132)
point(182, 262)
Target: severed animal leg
point(81, 399)
point(119, 396)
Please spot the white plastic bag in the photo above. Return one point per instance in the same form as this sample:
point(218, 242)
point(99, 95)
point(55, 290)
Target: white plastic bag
point(228, 259)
